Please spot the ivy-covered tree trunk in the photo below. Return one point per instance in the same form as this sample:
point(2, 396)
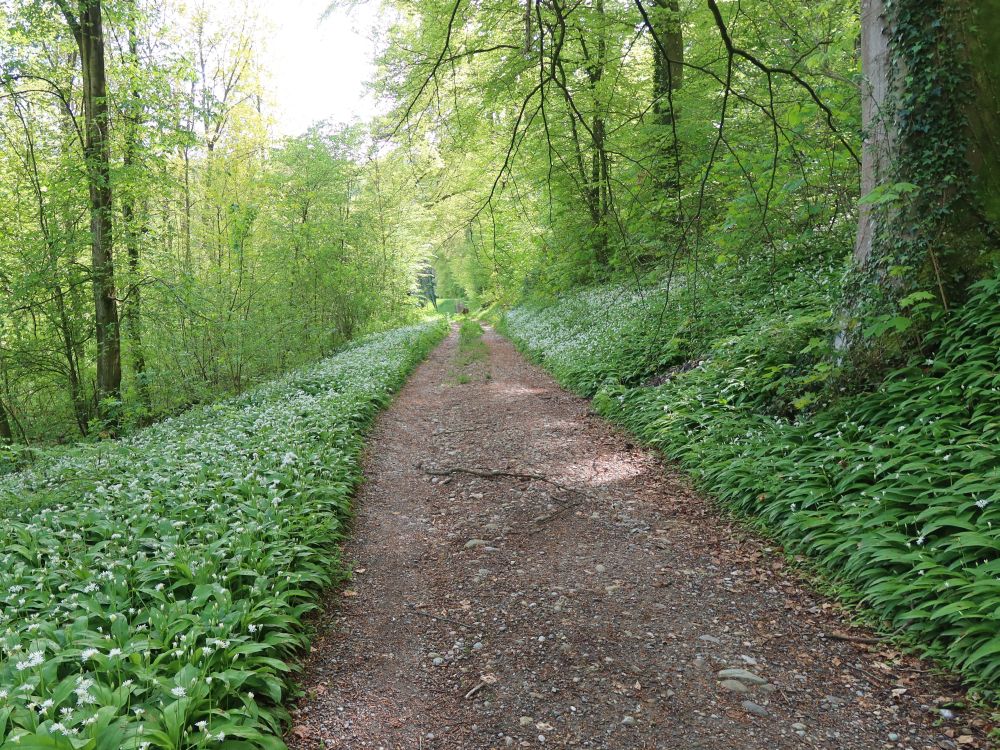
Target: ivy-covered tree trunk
point(984, 125)
point(930, 154)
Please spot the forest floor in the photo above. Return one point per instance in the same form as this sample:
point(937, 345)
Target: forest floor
point(526, 575)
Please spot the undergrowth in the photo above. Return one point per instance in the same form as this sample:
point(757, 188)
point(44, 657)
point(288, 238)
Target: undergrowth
point(152, 590)
point(894, 493)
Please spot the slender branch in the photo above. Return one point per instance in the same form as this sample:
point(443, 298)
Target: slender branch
point(423, 86)
point(71, 20)
point(735, 51)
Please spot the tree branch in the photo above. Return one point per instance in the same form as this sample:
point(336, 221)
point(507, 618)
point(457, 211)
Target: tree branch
point(735, 51)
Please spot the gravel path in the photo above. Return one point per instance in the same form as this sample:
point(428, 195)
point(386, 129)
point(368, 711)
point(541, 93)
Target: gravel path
point(526, 576)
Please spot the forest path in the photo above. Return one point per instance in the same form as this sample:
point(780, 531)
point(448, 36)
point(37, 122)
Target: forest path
point(593, 607)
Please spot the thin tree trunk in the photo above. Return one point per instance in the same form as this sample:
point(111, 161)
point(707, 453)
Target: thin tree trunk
point(188, 264)
point(668, 77)
point(80, 410)
point(132, 310)
point(6, 413)
point(599, 177)
point(6, 434)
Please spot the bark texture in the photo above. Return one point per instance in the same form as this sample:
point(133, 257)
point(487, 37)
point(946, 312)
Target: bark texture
point(876, 145)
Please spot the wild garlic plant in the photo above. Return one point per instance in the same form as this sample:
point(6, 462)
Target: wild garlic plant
point(152, 590)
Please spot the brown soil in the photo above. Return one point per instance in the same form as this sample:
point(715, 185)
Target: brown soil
point(527, 576)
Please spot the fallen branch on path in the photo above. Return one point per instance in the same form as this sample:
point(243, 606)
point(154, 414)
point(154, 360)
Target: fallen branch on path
point(460, 429)
point(484, 473)
point(484, 681)
point(500, 474)
point(475, 690)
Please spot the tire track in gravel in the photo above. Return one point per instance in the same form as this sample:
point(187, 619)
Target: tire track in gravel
point(593, 607)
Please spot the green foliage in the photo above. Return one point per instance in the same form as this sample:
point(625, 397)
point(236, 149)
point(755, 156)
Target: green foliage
point(557, 165)
point(888, 192)
point(153, 591)
point(894, 493)
point(238, 255)
point(470, 334)
point(449, 306)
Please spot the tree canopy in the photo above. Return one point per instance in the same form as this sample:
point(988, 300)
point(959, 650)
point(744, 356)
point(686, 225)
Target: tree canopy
point(161, 245)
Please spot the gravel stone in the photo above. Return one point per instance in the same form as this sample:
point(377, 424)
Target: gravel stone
point(742, 675)
point(735, 686)
point(753, 708)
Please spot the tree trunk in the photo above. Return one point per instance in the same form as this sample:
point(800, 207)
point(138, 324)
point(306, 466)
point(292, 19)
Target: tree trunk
point(132, 309)
point(668, 76)
point(188, 262)
point(876, 144)
point(984, 154)
point(599, 177)
point(81, 411)
point(668, 62)
point(88, 29)
point(6, 434)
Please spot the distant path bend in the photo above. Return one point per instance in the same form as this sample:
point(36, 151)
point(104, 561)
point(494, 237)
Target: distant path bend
point(527, 576)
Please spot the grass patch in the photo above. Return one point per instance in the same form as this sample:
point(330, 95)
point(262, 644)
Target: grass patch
point(153, 589)
point(471, 348)
point(893, 493)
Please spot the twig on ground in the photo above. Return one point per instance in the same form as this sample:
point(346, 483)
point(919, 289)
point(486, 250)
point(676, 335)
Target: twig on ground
point(550, 516)
point(459, 429)
point(437, 617)
point(475, 690)
point(839, 636)
point(484, 473)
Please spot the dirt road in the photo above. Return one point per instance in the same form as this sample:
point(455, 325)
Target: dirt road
point(528, 577)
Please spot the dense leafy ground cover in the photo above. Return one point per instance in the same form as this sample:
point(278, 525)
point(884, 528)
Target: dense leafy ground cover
point(895, 493)
point(152, 591)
